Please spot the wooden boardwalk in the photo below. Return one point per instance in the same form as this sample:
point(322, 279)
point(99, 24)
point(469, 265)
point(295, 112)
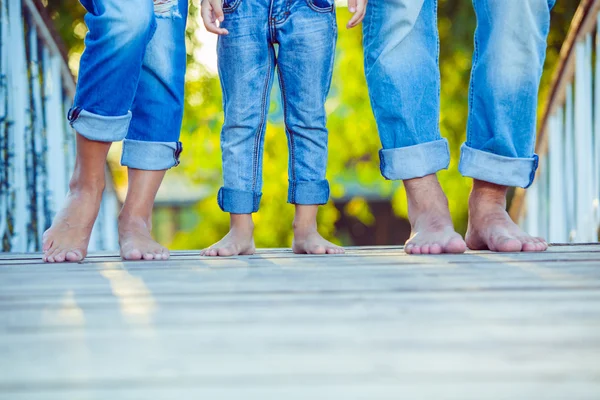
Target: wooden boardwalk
point(372, 324)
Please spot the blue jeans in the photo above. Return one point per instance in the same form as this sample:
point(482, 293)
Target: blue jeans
point(401, 48)
point(131, 79)
point(298, 37)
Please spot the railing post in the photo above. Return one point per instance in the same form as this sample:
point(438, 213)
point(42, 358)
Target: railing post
point(583, 139)
point(4, 170)
point(557, 193)
point(56, 165)
point(17, 115)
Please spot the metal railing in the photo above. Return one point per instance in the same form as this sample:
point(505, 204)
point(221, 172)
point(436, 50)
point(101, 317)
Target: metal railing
point(37, 145)
point(563, 203)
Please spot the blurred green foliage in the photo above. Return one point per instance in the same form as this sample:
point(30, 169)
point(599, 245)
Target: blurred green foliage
point(354, 143)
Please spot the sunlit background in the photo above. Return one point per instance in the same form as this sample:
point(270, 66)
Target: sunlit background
point(364, 208)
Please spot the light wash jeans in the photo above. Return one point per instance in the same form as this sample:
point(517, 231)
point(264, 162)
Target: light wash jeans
point(131, 79)
point(298, 38)
point(401, 48)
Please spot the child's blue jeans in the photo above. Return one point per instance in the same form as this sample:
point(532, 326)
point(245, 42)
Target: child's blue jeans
point(298, 38)
point(131, 79)
point(401, 62)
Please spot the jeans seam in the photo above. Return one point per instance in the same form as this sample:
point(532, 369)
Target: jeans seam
point(290, 136)
point(318, 9)
point(472, 84)
point(231, 8)
point(437, 58)
point(259, 134)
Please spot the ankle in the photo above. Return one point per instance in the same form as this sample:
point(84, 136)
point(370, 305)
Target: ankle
point(127, 219)
point(94, 187)
point(303, 227)
point(241, 222)
point(485, 195)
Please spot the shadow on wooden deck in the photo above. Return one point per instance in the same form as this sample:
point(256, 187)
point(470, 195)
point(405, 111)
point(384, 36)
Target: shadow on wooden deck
point(372, 324)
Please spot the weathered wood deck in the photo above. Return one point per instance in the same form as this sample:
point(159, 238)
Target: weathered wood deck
point(372, 324)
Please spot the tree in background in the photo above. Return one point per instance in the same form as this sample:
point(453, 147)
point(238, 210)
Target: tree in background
point(353, 142)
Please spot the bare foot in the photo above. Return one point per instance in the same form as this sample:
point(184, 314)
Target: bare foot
point(238, 242)
point(432, 231)
point(490, 226)
point(309, 241)
point(136, 240)
point(69, 236)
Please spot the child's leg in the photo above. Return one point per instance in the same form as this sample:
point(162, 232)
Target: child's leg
point(108, 77)
point(152, 144)
point(246, 65)
point(305, 61)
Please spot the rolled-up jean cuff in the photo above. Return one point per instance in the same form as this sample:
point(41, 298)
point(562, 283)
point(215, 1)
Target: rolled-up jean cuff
point(308, 192)
point(99, 128)
point(236, 201)
point(414, 161)
point(493, 168)
point(150, 156)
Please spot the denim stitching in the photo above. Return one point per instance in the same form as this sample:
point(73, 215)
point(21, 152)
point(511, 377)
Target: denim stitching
point(471, 90)
point(232, 7)
point(290, 136)
point(312, 5)
point(262, 127)
point(437, 60)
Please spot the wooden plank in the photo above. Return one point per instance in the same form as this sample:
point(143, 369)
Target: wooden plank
point(278, 325)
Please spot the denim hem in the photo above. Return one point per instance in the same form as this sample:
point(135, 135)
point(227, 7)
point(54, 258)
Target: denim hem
point(150, 156)
point(99, 128)
point(236, 201)
point(308, 192)
point(414, 161)
point(500, 170)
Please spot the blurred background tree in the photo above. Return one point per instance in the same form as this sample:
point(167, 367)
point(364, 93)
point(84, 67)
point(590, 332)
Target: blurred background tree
point(365, 209)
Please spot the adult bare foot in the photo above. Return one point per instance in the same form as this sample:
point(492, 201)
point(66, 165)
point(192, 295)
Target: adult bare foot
point(307, 239)
point(490, 226)
point(136, 242)
point(432, 231)
point(238, 242)
point(69, 236)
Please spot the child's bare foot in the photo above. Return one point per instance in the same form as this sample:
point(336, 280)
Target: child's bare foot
point(490, 226)
point(307, 239)
point(432, 231)
point(311, 242)
point(238, 242)
point(69, 236)
point(136, 240)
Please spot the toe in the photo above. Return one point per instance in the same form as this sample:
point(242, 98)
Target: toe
point(166, 254)
point(408, 248)
point(225, 252)
point(148, 256)
point(415, 250)
point(318, 250)
point(507, 244)
point(74, 256)
point(334, 250)
point(435, 248)
point(61, 256)
point(456, 246)
point(133, 255)
point(52, 255)
point(425, 249)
